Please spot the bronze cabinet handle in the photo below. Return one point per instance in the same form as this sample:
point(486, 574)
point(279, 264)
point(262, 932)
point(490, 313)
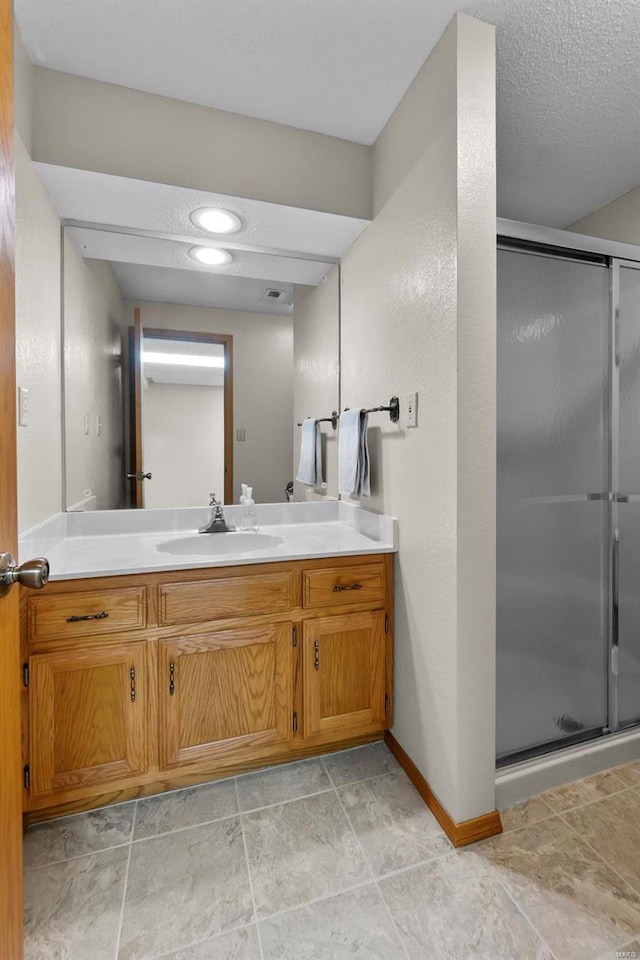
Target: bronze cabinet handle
point(347, 586)
point(89, 616)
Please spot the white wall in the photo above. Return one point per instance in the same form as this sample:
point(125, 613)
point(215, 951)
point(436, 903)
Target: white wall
point(618, 220)
point(262, 387)
point(183, 444)
point(37, 345)
point(93, 380)
point(316, 376)
point(418, 313)
point(98, 126)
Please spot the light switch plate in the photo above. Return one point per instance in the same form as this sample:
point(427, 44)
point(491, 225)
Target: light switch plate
point(240, 433)
point(411, 410)
point(23, 407)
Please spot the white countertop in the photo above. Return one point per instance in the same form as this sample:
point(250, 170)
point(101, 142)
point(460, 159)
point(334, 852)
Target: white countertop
point(114, 543)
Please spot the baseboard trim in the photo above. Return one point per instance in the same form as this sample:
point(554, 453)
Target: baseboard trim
point(460, 834)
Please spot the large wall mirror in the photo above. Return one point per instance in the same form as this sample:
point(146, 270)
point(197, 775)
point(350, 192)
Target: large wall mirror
point(191, 358)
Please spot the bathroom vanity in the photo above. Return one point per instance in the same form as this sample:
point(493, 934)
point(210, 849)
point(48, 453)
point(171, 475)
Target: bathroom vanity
point(173, 675)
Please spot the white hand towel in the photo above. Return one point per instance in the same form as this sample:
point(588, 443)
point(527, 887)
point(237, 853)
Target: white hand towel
point(353, 452)
point(310, 465)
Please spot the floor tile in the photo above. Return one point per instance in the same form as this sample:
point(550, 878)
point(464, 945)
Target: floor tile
point(300, 851)
point(237, 945)
point(185, 808)
point(576, 902)
point(629, 951)
point(79, 835)
point(584, 791)
point(351, 926)
point(72, 909)
point(524, 814)
point(348, 766)
point(612, 827)
point(288, 782)
point(451, 909)
point(185, 887)
point(392, 823)
point(630, 773)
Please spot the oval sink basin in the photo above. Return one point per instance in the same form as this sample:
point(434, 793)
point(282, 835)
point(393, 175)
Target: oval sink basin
point(220, 544)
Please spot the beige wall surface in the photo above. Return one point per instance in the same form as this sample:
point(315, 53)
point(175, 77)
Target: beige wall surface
point(183, 430)
point(262, 388)
point(93, 381)
point(22, 89)
point(618, 220)
point(98, 126)
point(418, 313)
point(38, 345)
point(316, 378)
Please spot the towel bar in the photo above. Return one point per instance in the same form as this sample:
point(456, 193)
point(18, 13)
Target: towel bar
point(393, 409)
point(333, 420)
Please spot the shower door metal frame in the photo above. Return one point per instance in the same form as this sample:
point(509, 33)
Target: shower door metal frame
point(563, 243)
point(631, 497)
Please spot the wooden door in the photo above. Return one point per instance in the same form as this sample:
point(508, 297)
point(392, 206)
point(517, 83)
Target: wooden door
point(225, 694)
point(10, 752)
point(344, 681)
point(87, 717)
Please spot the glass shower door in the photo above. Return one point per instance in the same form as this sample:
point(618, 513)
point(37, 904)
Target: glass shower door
point(626, 699)
point(553, 528)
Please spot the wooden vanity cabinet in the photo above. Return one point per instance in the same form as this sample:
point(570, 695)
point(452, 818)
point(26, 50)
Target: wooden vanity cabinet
point(344, 674)
point(221, 695)
point(141, 683)
point(87, 717)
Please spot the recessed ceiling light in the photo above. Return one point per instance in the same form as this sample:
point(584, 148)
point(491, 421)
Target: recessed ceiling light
point(211, 256)
point(214, 220)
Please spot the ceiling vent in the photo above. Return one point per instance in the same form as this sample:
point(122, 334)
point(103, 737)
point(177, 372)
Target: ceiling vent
point(273, 295)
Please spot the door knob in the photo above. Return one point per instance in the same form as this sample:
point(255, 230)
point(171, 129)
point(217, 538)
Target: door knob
point(31, 573)
point(139, 476)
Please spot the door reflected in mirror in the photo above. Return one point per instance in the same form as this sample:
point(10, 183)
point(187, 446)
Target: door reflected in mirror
point(181, 417)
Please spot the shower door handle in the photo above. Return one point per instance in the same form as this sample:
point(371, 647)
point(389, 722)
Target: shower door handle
point(615, 600)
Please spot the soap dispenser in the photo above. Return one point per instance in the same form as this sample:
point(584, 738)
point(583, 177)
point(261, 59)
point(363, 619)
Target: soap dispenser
point(249, 517)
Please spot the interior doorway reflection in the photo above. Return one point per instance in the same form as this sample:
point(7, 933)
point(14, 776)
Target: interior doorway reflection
point(181, 417)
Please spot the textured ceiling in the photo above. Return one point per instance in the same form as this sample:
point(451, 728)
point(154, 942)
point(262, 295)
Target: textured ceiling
point(568, 74)
point(139, 282)
point(161, 235)
point(165, 209)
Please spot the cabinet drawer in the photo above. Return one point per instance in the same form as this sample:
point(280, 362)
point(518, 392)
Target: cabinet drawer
point(338, 586)
point(86, 614)
point(195, 602)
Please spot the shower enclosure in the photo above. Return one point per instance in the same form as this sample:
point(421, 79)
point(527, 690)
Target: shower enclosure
point(568, 488)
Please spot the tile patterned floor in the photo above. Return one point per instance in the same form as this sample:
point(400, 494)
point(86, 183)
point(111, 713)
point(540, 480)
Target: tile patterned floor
point(336, 858)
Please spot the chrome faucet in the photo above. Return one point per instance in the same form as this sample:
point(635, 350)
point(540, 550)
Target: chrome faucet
point(217, 523)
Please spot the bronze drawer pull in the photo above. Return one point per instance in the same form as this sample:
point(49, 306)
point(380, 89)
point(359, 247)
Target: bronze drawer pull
point(347, 586)
point(89, 616)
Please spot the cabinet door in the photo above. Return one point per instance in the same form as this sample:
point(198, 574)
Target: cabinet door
point(87, 717)
point(224, 694)
point(344, 682)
